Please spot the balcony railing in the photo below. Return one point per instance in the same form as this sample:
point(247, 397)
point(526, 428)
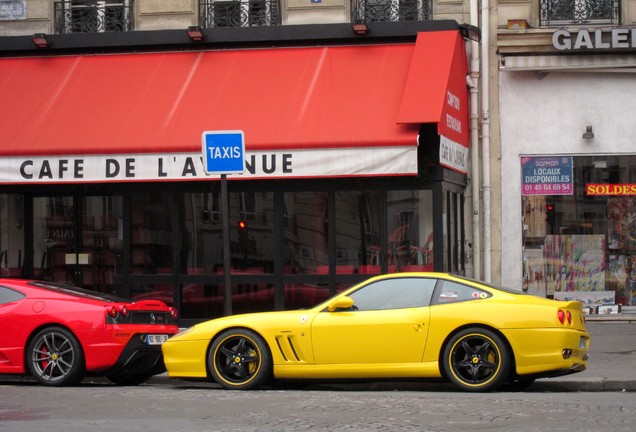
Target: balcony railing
point(579, 12)
point(239, 13)
point(93, 16)
point(391, 10)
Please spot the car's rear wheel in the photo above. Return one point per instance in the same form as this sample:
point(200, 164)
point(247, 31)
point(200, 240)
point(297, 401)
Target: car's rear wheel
point(55, 357)
point(240, 360)
point(477, 359)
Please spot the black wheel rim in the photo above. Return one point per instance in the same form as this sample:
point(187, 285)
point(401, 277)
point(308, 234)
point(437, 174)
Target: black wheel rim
point(475, 359)
point(237, 360)
point(53, 357)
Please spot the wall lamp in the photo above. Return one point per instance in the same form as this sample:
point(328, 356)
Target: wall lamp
point(195, 33)
point(470, 32)
point(588, 134)
point(359, 27)
point(39, 39)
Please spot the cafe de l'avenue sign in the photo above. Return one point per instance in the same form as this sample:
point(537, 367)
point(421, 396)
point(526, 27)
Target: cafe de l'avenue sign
point(594, 39)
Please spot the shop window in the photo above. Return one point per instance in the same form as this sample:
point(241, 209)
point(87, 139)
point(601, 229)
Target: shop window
point(239, 13)
point(11, 235)
point(358, 231)
point(152, 233)
point(206, 300)
point(579, 237)
point(305, 233)
point(93, 16)
point(252, 232)
point(410, 231)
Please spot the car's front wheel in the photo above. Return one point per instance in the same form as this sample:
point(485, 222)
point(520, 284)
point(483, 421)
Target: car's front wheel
point(240, 359)
point(477, 359)
point(55, 357)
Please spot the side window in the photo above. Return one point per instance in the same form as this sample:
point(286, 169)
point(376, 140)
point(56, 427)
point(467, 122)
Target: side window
point(8, 295)
point(394, 294)
point(454, 292)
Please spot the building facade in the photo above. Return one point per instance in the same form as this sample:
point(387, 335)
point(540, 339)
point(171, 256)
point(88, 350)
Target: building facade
point(565, 80)
point(355, 118)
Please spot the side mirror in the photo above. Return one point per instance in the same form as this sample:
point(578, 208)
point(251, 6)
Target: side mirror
point(343, 302)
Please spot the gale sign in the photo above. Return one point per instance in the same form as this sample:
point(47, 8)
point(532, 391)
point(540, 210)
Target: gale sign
point(223, 152)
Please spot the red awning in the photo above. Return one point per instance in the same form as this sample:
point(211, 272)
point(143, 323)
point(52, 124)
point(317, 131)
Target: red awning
point(282, 98)
point(438, 76)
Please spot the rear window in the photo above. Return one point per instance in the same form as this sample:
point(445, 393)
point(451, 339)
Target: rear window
point(490, 285)
point(78, 292)
point(7, 295)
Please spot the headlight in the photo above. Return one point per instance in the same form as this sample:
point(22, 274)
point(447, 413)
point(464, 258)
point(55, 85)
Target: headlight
point(184, 331)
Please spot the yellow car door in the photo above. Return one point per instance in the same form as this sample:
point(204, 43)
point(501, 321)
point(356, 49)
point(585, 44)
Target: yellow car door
point(388, 323)
point(379, 336)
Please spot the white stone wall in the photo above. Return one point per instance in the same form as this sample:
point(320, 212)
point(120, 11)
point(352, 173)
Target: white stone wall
point(547, 115)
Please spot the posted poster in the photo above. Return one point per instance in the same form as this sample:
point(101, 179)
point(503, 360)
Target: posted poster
point(574, 263)
point(547, 175)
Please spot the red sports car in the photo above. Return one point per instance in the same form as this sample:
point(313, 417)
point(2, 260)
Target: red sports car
point(60, 333)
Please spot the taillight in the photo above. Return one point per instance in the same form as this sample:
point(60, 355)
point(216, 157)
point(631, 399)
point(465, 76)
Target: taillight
point(173, 313)
point(123, 310)
point(116, 310)
point(564, 316)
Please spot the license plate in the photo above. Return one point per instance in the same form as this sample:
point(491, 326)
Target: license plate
point(582, 344)
point(156, 339)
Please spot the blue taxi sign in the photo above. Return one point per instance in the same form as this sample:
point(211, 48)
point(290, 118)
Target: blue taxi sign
point(223, 151)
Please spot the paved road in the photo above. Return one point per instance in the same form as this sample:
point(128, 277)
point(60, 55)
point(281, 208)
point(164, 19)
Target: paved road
point(181, 407)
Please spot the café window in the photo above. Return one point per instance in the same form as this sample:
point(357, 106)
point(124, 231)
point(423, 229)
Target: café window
point(579, 228)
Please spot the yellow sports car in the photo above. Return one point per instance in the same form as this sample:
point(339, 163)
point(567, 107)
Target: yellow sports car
point(397, 326)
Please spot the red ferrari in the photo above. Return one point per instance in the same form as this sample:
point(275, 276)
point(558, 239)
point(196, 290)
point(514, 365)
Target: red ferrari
point(60, 333)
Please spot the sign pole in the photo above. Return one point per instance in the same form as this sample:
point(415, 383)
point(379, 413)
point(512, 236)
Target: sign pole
point(224, 153)
point(227, 264)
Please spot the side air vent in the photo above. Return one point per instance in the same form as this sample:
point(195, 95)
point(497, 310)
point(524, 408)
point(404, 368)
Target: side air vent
point(289, 350)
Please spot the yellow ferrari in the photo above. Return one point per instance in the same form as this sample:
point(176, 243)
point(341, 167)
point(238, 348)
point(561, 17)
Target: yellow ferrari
point(396, 326)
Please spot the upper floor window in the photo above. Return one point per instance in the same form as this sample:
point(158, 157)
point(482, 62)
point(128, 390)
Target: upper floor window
point(564, 12)
point(238, 13)
point(391, 10)
point(93, 16)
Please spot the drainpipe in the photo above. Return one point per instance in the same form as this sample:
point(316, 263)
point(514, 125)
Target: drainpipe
point(485, 131)
point(473, 85)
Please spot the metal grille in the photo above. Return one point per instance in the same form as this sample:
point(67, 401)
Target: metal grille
point(239, 13)
point(564, 12)
point(391, 10)
point(93, 16)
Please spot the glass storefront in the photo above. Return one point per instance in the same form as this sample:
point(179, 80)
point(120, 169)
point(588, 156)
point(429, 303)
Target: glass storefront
point(289, 249)
point(579, 233)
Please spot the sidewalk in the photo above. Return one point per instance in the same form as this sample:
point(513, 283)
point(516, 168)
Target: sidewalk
point(612, 363)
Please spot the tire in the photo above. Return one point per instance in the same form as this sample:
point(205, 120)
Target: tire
point(477, 359)
point(240, 360)
point(55, 357)
point(129, 380)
